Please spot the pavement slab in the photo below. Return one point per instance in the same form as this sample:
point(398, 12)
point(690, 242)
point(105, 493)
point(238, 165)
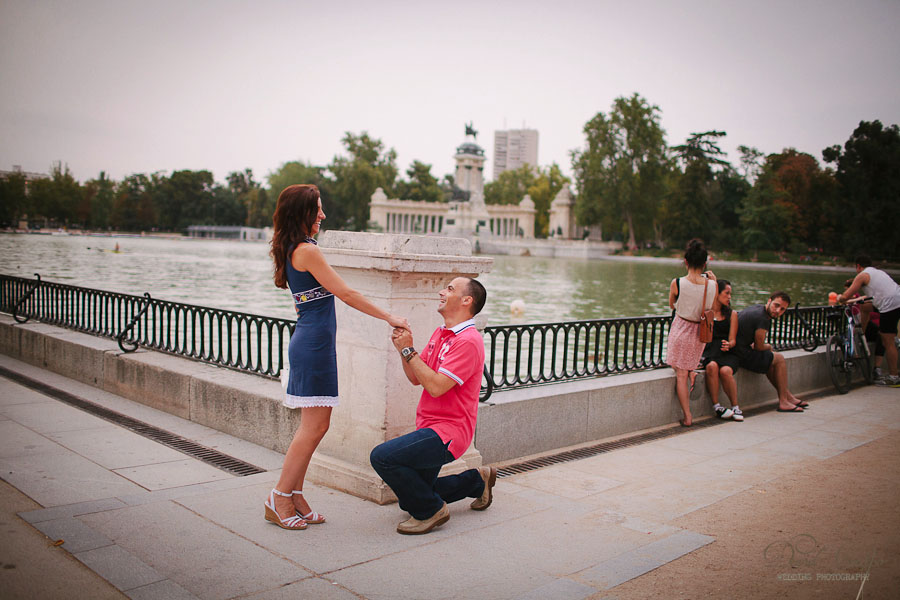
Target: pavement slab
point(156, 523)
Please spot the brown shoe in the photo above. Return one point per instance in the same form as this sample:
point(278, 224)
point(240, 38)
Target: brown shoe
point(413, 526)
point(489, 474)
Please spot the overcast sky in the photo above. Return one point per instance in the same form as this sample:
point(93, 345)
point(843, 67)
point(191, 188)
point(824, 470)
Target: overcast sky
point(136, 87)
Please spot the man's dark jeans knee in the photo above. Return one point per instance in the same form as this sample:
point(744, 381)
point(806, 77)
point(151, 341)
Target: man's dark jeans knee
point(410, 465)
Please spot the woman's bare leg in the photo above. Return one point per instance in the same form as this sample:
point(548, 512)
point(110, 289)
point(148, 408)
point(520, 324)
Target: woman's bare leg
point(681, 390)
point(712, 381)
point(314, 423)
point(729, 384)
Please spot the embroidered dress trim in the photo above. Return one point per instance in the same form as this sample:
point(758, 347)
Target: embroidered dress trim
point(292, 401)
point(316, 293)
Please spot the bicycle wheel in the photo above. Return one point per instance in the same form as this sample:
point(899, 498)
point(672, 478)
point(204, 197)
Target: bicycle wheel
point(837, 367)
point(863, 359)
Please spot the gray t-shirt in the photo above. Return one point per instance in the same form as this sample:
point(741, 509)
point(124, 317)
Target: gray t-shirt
point(749, 320)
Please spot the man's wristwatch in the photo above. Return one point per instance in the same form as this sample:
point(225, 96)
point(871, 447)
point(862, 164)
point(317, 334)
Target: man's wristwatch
point(407, 353)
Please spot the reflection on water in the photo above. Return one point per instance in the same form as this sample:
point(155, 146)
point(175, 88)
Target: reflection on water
point(238, 276)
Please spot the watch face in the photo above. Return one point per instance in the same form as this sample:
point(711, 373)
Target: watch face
point(406, 352)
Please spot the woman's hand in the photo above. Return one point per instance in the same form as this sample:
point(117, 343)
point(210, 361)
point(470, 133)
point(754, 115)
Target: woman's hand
point(710, 275)
point(398, 323)
point(726, 345)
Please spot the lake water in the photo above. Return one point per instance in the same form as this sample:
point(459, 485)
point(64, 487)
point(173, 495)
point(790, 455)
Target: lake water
point(238, 276)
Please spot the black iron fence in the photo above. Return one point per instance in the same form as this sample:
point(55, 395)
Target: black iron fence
point(516, 355)
point(231, 339)
point(527, 355)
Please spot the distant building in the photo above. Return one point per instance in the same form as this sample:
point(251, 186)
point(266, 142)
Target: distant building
point(227, 232)
point(514, 148)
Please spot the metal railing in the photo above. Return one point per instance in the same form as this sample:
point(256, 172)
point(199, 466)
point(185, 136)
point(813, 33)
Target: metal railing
point(236, 340)
point(527, 355)
point(516, 355)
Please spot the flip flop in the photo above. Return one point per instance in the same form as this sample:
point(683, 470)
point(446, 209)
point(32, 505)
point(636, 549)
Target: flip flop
point(796, 409)
point(802, 404)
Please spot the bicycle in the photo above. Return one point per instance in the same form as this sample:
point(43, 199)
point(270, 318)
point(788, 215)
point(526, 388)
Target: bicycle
point(848, 350)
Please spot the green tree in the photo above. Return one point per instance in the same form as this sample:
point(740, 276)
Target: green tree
point(13, 199)
point(58, 198)
point(766, 214)
point(187, 198)
point(868, 174)
point(422, 185)
point(510, 186)
point(100, 193)
point(621, 173)
point(690, 207)
point(134, 208)
point(366, 166)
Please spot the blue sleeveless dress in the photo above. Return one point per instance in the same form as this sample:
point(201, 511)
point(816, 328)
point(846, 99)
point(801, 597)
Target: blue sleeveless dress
point(312, 378)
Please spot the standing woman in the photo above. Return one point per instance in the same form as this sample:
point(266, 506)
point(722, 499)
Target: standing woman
point(684, 347)
point(312, 384)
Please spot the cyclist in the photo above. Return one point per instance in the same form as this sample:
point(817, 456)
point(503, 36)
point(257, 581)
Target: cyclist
point(886, 297)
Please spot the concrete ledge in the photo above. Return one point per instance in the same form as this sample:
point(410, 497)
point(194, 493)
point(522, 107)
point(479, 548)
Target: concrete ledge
point(541, 419)
point(519, 423)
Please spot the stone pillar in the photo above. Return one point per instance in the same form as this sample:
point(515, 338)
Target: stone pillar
point(402, 274)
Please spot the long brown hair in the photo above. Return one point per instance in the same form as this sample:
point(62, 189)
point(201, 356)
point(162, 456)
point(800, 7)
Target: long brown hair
point(295, 214)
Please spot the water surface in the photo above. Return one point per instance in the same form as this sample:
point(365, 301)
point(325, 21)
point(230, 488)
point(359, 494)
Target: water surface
point(238, 276)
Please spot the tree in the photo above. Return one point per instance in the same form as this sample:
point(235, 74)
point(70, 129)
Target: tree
point(541, 184)
point(134, 208)
point(510, 186)
point(58, 197)
point(422, 185)
point(751, 162)
point(868, 174)
point(186, 198)
point(621, 172)
point(13, 199)
point(691, 206)
point(100, 193)
point(368, 166)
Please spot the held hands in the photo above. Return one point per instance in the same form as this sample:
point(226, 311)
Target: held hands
point(402, 338)
point(398, 322)
point(726, 346)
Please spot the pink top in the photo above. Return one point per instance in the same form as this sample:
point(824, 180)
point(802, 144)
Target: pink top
point(458, 353)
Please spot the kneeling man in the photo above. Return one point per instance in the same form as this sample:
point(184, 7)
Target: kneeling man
point(449, 369)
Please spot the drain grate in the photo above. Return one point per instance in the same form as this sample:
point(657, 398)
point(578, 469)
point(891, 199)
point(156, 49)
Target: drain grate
point(589, 451)
point(229, 464)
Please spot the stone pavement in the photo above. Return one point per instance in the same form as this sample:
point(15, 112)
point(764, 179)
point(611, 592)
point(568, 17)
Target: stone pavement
point(155, 523)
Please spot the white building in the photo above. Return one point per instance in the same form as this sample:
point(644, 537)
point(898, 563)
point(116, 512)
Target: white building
point(467, 218)
point(514, 148)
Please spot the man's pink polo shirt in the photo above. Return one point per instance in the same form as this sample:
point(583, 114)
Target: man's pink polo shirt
point(458, 353)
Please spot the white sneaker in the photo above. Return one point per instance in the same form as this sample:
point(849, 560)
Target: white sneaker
point(738, 415)
point(889, 381)
point(724, 413)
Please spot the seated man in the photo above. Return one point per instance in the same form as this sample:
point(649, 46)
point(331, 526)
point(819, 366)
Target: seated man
point(754, 354)
point(449, 369)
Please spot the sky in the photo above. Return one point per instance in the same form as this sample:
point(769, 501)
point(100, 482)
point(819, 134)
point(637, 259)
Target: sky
point(138, 87)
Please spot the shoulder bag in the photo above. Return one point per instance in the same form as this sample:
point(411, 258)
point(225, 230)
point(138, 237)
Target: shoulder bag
point(707, 318)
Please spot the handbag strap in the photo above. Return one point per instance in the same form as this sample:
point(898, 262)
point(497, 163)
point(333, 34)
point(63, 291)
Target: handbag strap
point(705, 289)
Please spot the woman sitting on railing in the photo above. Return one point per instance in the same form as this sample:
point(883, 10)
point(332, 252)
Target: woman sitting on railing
point(686, 297)
point(721, 364)
point(312, 383)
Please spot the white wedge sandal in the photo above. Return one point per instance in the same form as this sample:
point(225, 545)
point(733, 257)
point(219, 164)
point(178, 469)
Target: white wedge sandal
point(313, 518)
point(293, 522)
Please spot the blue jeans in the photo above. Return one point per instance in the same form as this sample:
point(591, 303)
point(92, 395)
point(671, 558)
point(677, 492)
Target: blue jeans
point(410, 465)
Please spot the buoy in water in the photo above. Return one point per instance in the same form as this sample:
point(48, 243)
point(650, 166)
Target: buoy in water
point(517, 307)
